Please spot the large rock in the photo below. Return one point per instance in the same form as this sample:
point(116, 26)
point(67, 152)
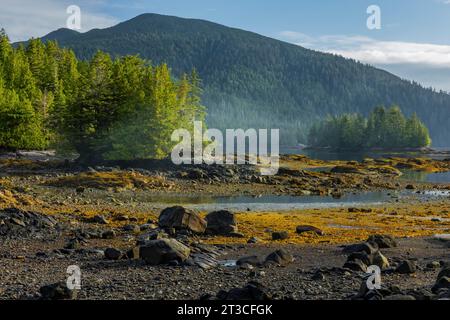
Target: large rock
point(221, 222)
point(251, 260)
point(441, 283)
point(306, 228)
point(161, 251)
point(443, 280)
point(16, 223)
point(406, 267)
point(252, 291)
point(382, 241)
point(112, 254)
point(57, 291)
point(180, 218)
point(280, 257)
point(280, 235)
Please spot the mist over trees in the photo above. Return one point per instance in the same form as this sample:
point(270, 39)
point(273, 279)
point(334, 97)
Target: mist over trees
point(384, 128)
point(102, 108)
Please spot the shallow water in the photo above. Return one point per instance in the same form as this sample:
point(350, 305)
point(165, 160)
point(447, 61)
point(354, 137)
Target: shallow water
point(439, 177)
point(359, 156)
point(284, 203)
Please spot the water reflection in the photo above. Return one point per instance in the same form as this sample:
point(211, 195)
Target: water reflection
point(439, 177)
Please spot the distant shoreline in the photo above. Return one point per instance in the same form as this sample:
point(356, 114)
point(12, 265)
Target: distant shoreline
point(423, 150)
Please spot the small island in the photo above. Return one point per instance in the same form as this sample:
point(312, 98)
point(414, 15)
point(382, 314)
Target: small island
point(387, 129)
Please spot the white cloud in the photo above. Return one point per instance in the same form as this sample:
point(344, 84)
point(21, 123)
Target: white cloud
point(373, 51)
point(23, 19)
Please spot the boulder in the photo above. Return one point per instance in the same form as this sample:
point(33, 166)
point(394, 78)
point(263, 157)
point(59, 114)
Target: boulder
point(221, 222)
point(251, 260)
point(306, 228)
point(180, 218)
point(406, 267)
point(280, 235)
point(253, 240)
point(100, 219)
point(161, 251)
point(252, 291)
point(441, 283)
point(445, 272)
point(280, 257)
point(133, 228)
point(382, 241)
point(113, 254)
point(108, 234)
point(57, 291)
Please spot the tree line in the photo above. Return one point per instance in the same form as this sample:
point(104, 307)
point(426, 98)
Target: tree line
point(101, 108)
point(384, 128)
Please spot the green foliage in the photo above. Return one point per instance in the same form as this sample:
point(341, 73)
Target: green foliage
point(251, 81)
point(103, 108)
point(383, 129)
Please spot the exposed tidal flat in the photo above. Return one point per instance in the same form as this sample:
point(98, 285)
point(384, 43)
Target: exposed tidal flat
point(221, 227)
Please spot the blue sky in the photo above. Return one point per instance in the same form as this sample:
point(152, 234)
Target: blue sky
point(414, 40)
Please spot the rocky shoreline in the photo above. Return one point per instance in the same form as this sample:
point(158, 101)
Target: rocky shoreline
point(53, 216)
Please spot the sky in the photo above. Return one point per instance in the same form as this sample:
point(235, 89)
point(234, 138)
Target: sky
point(413, 40)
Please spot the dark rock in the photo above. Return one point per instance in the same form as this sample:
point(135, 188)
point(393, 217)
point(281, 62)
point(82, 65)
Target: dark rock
point(253, 240)
point(252, 260)
point(441, 283)
point(252, 291)
point(302, 229)
point(221, 222)
point(108, 234)
point(433, 265)
point(162, 251)
point(280, 235)
point(16, 223)
point(99, 219)
point(318, 276)
point(383, 241)
point(410, 187)
point(57, 291)
point(80, 189)
point(445, 272)
point(280, 257)
point(181, 218)
point(134, 228)
point(406, 267)
point(113, 254)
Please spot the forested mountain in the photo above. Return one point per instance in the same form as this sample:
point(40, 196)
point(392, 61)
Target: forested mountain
point(253, 81)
